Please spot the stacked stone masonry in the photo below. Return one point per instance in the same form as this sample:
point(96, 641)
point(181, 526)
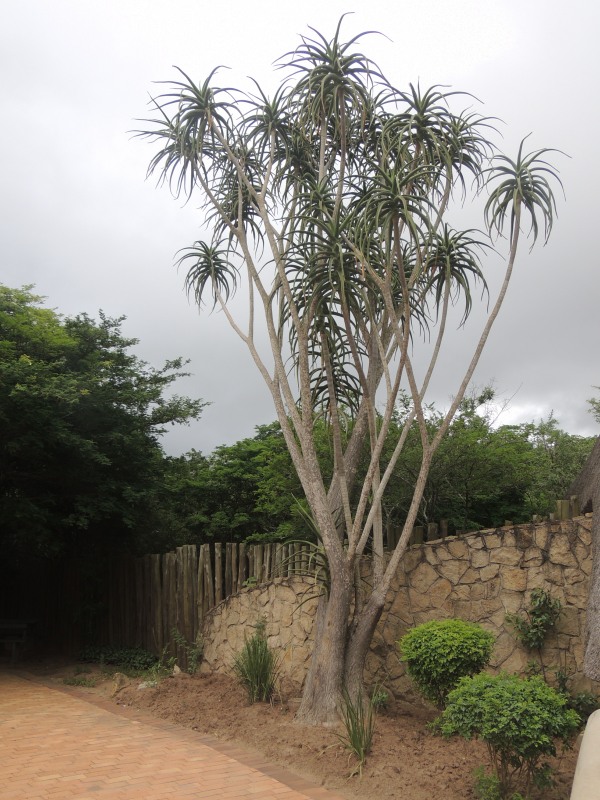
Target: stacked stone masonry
point(480, 577)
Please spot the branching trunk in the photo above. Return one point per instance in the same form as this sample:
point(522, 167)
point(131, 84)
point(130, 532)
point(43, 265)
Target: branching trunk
point(333, 203)
point(323, 686)
point(359, 644)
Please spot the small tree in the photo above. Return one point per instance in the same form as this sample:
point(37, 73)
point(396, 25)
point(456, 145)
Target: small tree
point(518, 719)
point(331, 201)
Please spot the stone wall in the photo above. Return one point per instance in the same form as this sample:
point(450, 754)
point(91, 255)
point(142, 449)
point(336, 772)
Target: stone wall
point(287, 606)
point(480, 577)
point(484, 576)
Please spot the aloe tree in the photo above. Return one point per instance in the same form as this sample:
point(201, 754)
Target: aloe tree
point(329, 203)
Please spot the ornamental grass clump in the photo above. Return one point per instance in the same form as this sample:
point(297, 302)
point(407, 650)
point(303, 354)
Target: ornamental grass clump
point(441, 652)
point(358, 717)
point(519, 719)
point(257, 667)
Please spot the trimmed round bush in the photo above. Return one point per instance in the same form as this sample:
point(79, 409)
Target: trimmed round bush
point(520, 720)
point(441, 652)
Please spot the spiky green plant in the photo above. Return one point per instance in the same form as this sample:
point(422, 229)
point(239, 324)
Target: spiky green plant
point(328, 202)
point(358, 718)
point(257, 666)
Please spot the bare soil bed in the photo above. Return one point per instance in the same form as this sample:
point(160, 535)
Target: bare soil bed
point(407, 761)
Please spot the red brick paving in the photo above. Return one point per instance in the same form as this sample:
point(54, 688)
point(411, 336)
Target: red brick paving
point(58, 744)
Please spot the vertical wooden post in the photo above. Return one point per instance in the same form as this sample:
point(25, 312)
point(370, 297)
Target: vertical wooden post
point(218, 572)
point(235, 587)
point(258, 562)
point(139, 603)
point(208, 579)
point(193, 598)
point(228, 573)
point(157, 604)
point(277, 567)
point(171, 585)
point(242, 566)
point(574, 509)
point(200, 587)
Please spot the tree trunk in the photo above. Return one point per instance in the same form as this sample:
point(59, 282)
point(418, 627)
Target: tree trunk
point(359, 644)
point(323, 687)
point(591, 661)
point(587, 488)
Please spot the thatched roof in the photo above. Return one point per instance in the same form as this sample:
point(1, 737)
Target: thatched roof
point(587, 485)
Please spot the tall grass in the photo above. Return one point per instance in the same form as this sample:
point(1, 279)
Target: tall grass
point(257, 667)
point(358, 717)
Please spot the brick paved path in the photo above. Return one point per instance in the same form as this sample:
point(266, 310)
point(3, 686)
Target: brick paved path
point(59, 744)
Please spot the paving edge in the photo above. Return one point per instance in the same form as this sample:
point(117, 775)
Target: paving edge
point(245, 755)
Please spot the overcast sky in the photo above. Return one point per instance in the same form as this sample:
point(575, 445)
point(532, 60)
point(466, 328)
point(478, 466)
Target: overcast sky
point(79, 220)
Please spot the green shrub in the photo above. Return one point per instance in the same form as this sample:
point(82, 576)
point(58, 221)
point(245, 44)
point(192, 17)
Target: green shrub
point(518, 719)
point(440, 652)
point(193, 650)
point(584, 703)
point(257, 666)
point(133, 658)
point(487, 787)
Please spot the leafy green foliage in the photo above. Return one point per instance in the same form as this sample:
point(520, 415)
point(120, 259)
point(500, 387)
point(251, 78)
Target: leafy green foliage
point(541, 617)
point(193, 650)
point(439, 653)
point(130, 658)
point(594, 403)
point(480, 476)
point(558, 459)
point(584, 703)
point(358, 718)
point(379, 697)
point(257, 666)
point(487, 786)
point(483, 474)
point(246, 491)
point(80, 422)
point(518, 719)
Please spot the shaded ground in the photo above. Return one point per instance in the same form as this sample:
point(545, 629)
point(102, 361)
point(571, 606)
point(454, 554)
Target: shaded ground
point(406, 762)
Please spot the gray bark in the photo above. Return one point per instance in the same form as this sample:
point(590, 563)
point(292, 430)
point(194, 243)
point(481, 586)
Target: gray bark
point(323, 687)
point(587, 489)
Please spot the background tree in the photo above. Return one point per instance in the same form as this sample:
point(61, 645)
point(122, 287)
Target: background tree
point(484, 473)
point(80, 425)
point(331, 202)
point(558, 458)
point(594, 403)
